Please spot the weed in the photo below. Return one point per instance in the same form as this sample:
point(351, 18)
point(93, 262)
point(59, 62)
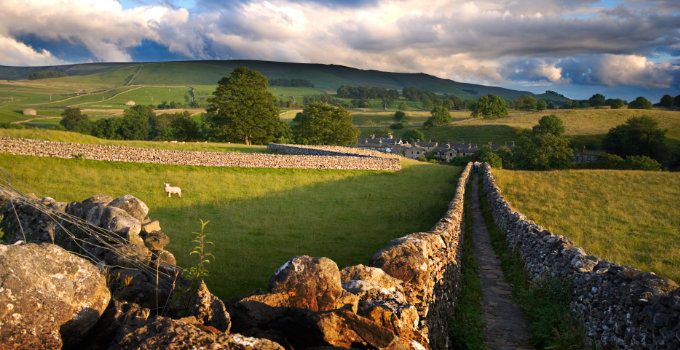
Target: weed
point(200, 271)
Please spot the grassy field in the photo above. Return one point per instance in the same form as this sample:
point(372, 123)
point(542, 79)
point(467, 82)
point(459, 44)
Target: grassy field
point(629, 217)
point(259, 218)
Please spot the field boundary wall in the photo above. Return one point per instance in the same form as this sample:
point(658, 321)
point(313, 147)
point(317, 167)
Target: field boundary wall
point(312, 159)
point(621, 307)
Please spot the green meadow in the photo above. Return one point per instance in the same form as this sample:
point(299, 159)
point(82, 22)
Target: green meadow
point(629, 217)
point(259, 218)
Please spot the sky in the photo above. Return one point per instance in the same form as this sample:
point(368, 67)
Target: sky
point(620, 48)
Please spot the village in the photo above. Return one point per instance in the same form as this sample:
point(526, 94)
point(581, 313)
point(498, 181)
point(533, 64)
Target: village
point(443, 152)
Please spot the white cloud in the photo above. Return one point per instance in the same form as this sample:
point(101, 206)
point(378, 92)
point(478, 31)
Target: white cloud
point(632, 70)
point(13, 53)
point(489, 42)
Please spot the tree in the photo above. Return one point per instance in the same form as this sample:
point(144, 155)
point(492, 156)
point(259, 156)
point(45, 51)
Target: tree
point(638, 136)
point(597, 100)
point(541, 105)
point(399, 115)
point(74, 120)
point(666, 101)
point(440, 115)
point(242, 110)
point(412, 135)
point(543, 148)
point(402, 106)
point(108, 128)
point(641, 163)
point(615, 103)
point(640, 103)
point(323, 124)
point(485, 154)
point(490, 106)
point(135, 124)
point(526, 103)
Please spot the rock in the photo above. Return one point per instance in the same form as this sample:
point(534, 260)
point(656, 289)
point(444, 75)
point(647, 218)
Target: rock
point(118, 317)
point(47, 295)
point(120, 222)
point(128, 255)
point(156, 240)
point(163, 258)
point(311, 283)
point(208, 309)
point(371, 283)
point(256, 311)
point(132, 205)
point(81, 209)
point(150, 226)
point(186, 333)
point(345, 329)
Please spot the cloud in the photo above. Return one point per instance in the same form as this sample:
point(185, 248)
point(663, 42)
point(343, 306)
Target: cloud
point(490, 42)
point(615, 70)
point(14, 53)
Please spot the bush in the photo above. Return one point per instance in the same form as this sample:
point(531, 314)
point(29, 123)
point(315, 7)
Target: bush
point(399, 115)
point(642, 163)
point(397, 126)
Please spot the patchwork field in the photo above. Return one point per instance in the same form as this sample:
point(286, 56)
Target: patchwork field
point(259, 218)
point(630, 217)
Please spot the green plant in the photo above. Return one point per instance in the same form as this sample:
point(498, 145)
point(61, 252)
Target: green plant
point(200, 271)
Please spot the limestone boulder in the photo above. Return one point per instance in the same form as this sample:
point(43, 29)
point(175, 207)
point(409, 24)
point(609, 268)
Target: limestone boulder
point(151, 226)
point(311, 283)
point(132, 205)
point(123, 224)
point(155, 240)
point(371, 283)
point(81, 209)
point(47, 295)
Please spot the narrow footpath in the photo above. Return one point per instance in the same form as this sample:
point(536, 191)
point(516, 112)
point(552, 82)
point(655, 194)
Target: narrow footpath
point(506, 326)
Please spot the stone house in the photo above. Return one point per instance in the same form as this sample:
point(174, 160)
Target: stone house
point(445, 152)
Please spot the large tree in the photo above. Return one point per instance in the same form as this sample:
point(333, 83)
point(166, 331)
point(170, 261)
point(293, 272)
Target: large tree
point(135, 124)
point(597, 100)
point(543, 148)
point(638, 136)
point(640, 103)
point(322, 124)
point(242, 110)
point(490, 106)
point(74, 120)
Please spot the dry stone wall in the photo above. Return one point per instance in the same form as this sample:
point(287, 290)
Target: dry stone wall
point(311, 159)
point(621, 307)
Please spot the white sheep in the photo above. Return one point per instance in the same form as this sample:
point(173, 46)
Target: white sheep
point(173, 189)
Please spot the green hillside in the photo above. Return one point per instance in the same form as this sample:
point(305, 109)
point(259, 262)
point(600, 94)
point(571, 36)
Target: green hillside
point(324, 77)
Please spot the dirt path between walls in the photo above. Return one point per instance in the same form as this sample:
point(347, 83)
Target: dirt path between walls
point(507, 327)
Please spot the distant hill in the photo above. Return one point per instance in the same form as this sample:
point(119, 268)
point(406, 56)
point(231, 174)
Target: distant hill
point(324, 77)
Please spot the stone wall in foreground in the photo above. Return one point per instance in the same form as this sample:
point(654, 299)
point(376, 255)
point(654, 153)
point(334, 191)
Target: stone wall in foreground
point(620, 306)
point(330, 160)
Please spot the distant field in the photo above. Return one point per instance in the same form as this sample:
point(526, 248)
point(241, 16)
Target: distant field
point(259, 218)
point(586, 121)
point(630, 217)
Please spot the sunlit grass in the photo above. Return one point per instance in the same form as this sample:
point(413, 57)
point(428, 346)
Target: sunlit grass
point(259, 217)
point(629, 217)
